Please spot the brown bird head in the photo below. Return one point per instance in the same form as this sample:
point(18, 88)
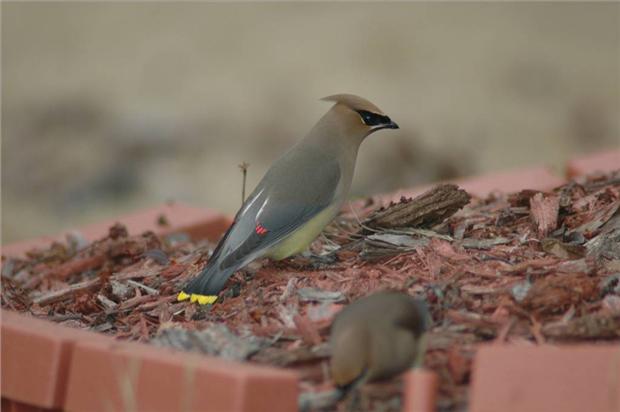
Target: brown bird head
point(359, 115)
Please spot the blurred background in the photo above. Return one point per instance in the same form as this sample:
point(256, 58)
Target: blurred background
point(109, 107)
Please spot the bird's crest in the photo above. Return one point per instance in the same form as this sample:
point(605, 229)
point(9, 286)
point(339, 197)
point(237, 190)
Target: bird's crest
point(354, 102)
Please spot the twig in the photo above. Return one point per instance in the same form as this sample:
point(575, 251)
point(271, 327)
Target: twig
point(133, 302)
point(67, 270)
point(107, 303)
point(145, 288)
point(62, 294)
point(359, 222)
point(62, 318)
point(244, 169)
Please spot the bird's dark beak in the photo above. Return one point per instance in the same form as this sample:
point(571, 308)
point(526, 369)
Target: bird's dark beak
point(392, 125)
point(389, 124)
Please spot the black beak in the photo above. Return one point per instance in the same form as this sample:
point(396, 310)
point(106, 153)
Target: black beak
point(392, 125)
point(386, 123)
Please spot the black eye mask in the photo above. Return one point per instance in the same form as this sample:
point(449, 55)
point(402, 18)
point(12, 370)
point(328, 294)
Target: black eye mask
point(373, 119)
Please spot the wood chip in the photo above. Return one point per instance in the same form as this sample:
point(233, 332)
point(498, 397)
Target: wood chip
point(544, 212)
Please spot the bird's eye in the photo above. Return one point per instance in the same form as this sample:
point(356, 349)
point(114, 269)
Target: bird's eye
point(372, 119)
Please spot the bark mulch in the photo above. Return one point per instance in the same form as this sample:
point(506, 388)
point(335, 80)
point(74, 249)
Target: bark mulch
point(531, 266)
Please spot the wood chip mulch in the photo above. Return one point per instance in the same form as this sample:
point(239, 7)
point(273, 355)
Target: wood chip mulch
point(537, 267)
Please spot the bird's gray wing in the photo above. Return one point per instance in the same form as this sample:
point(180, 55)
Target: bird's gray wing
point(295, 190)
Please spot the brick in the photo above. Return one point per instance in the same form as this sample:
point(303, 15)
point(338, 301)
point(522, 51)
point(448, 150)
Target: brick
point(535, 178)
point(13, 406)
point(572, 378)
point(598, 162)
point(35, 359)
point(198, 223)
point(420, 391)
point(137, 377)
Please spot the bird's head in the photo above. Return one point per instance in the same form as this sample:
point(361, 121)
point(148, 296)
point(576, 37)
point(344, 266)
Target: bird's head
point(359, 116)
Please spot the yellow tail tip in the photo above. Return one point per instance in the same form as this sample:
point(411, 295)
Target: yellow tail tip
point(196, 298)
point(204, 299)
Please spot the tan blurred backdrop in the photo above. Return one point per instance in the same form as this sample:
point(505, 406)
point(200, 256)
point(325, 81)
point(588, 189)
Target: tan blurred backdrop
point(108, 107)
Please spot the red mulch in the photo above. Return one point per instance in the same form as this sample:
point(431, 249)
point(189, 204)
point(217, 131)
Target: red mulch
point(525, 267)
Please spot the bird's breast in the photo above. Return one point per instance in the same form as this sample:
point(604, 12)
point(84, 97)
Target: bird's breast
point(301, 238)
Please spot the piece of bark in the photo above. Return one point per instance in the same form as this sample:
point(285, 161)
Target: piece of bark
point(607, 242)
point(544, 211)
point(599, 218)
point(73, 267)
point(564, 251)
point(61, 294)
point(522, 198)
point(428, 209)
point(593, 326)
point(556, 293)
point(66, 270)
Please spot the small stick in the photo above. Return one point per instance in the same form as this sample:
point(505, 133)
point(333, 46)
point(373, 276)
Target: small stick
point(77, 266)
point(244, 169)
point(67, 269)
point(109, 304)
point(145, 288)
point(62, 294)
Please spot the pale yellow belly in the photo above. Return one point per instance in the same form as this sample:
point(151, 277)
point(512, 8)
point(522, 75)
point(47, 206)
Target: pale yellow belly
point(300, 239)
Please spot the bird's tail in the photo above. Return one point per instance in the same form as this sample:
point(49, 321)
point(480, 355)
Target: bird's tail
point(205, 288)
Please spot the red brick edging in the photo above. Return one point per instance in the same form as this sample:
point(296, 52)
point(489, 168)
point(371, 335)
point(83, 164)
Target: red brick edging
point(593, 163)
point(536, 178)
point(35, 359)
point(55, 367)
point(546, 378)
point(420, 391)
point(131, 376)
point(198, 223)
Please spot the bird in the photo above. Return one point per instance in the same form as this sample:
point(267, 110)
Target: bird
point(298, 196)
point(377, 337)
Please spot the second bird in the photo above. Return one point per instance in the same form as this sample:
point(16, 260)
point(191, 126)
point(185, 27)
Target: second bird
point(298, 196)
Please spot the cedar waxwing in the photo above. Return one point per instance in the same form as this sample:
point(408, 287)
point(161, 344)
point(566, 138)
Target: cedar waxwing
point(377, 337)
point(298, 196)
